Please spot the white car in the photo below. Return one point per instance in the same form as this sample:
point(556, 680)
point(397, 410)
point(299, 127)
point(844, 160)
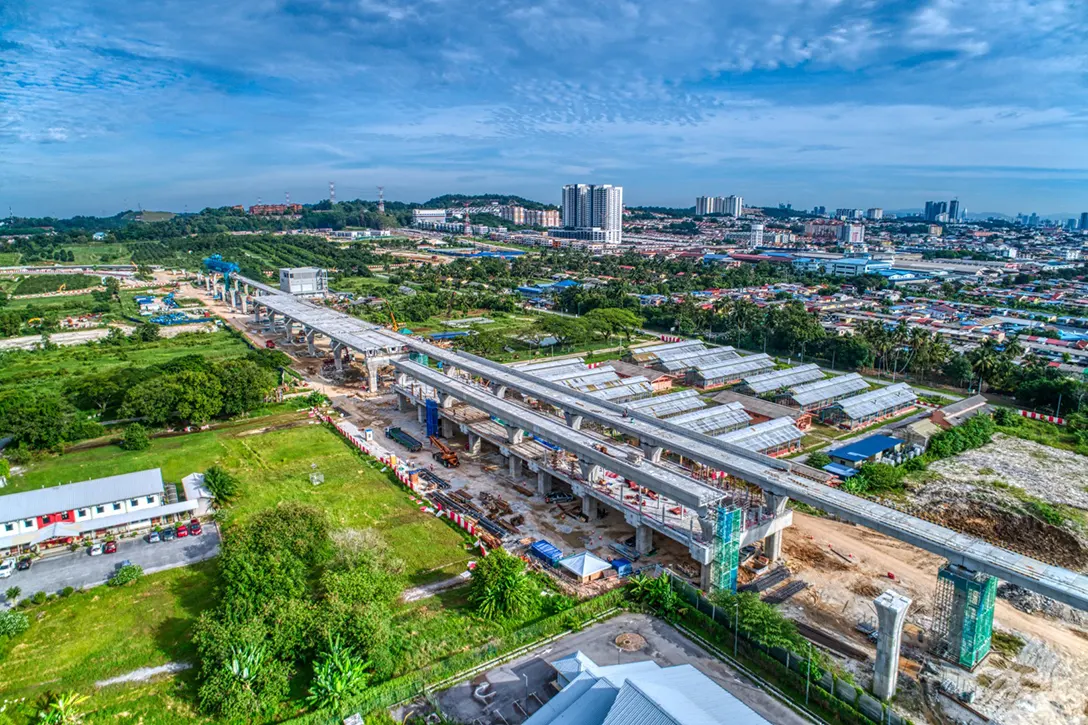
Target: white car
point(96, 549)
point(7, 568)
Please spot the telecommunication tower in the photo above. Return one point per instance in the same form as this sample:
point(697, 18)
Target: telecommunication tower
point(381, 199)
point(332, 192)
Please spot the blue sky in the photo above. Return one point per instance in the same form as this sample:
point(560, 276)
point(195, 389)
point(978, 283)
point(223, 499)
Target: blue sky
point(171, 104)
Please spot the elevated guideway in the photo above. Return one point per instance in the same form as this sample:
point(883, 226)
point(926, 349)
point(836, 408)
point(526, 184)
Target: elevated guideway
point(778, 478)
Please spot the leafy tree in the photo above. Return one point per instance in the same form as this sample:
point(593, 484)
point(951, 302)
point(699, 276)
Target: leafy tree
point(39, 420)
point(819, 459)
point(198, 396)
point(147, 332)
point(958, 370)
point(499, 587)
point(339, 675)
point(151, 400)
point(221, 483)
point(565, 330)
point(135, 438)
point(245, 385)
point(10, 323)
point(655, 592)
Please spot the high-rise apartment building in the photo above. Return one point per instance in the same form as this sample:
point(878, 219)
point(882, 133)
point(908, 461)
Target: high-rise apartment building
point(874, 214)
point(734, 206)
point(731, 205)
point(1084, 220)
point(852, 234)
point(935, 210)
point(954, 210)
point(755, 236)
point(588, 207)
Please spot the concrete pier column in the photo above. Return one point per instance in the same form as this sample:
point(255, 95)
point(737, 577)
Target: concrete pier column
point(704, 577)
point(772, 544)
point(653, 452)
point(514, 436)
point(227, 296)
point(372, 376)
point(244, 300)
point(644, 539)
point(590, 471)
point(515, 467)
point(447, 428)
point(310, 342)
point(290, 332)
point(589, 508)
point(573, 420)
point(474, 442)
point(543, 483)
point(891, 611)
point(336, 358)
point(421, 414)
point(500, 391)
point(403, 403)
point(208, 284)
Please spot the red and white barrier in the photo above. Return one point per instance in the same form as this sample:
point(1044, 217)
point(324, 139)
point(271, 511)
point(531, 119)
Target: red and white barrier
point(1040, 416)
point(671, 338)
point(591, 366)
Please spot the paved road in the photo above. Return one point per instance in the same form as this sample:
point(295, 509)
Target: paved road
point(82, 570)
point(666, 646)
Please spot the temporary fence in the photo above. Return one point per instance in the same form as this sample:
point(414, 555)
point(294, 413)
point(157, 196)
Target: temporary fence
point(1041, 416)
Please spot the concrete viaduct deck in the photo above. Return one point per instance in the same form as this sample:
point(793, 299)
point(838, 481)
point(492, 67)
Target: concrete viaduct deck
point(776, 477)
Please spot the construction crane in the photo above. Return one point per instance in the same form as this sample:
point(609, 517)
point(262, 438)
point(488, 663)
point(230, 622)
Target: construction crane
point(446, 455)
point(392, 317)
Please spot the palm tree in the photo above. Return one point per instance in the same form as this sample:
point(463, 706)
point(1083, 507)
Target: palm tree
point(985, 361)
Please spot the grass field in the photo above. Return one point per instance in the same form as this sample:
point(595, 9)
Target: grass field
point(43, 370)
point(102, 633)
point(9, 259)
point(272, 459)
point(100, 254)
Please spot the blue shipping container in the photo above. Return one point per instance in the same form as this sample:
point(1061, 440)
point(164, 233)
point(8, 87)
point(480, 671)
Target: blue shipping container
point(546, 551)
point(622, 567)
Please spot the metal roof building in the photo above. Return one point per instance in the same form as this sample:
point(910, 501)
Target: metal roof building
point(729, 371)
point(664, 406)
point(703, 358)
point(638, 693)
point(629, 389)
point(764, 409)
point(546, 364)
point(74, 496)
point(651, 353)
point(770, 381)
point(773, 437)
point(871, 406)
point(715, 420)
point(822, 393)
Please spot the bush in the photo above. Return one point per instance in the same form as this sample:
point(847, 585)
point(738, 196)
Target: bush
point(12, 593)
point(222, 484)
point(819, 459)
point(38, 598)
point(13, 623)
point(500, 587)
point(125, 575)
point(67, 591)
point(1006, 417)
point(135, 438)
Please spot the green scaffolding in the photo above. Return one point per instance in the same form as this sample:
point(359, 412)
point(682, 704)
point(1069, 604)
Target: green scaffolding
point(964, 618)
point(726, 549)
point(419, 357)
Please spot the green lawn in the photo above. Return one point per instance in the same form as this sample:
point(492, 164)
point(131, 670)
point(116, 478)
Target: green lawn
point(100, 254)
point(272, 466)
point(103, 633)
point(9, 259)
point(49, 369)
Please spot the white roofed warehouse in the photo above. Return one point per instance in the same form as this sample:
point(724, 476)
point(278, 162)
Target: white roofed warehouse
point(821, 393)
point(730, 371)
point(870, 407)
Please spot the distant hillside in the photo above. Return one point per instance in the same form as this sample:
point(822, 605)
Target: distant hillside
point(149, 216)
point(447, 201)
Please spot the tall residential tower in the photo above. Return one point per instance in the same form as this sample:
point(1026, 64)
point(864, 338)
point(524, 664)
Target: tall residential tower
point(595, 210)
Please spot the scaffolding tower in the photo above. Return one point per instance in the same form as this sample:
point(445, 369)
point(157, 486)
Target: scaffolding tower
point(727, 526)
point(963, 615)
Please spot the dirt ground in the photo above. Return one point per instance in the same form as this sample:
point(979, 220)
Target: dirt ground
point(1046, 683)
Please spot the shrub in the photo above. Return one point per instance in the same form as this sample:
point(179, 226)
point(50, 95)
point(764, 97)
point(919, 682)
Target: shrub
point(12, 593)
point(135, 438)
point(38, 598)
point(1006, 417)
point(500, 587)
point(819, 459)
point(67, 591)
point(13, 623)
point(222, 484)
point(126, 574)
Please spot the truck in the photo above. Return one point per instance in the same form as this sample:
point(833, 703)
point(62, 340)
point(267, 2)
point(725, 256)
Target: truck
point(396, 434)
point(444, 455)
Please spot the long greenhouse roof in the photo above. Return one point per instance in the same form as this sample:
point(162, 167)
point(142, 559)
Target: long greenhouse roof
point(631, 388)
point(667, 346)
point(545, 365)
point(685, 353)
point(736, 367)
point(704, 358)
point(876, 401)
point(559, 372)
point(775, 379)
point(717, 419)
point(764, 436)
point(828, 388)
point(663, 406)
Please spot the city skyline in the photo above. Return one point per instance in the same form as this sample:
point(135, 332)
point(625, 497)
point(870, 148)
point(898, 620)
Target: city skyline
point(833, 104)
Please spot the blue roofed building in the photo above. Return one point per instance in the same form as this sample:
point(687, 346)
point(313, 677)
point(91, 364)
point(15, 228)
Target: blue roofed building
point(639, 692)
point(846, 460)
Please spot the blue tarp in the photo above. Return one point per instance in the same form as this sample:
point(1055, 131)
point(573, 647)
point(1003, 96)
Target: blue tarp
point(546, 551)
point(865, 449)
point(840, 470)
point(622, 567)
point(449, 335)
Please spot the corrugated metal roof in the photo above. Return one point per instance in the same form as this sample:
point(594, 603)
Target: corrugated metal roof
point(663, 406)
point(735, 368)
point(899, 395)
point(826, 389)
point(558, 371)
point(28, 504)
point(775, 379)
point(667, 346)
point(685, 352)
point(705, 358)
point(530, 367)
point(765, 436)
point(631, 389)
point(758, 406)
point(587, 377)
point(711, 421)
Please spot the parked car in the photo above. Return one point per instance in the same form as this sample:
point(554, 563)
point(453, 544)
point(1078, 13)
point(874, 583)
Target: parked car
point(168, 534)
point(124, 563)
point(558, 497)
point(195, 528)
point(153, 537)
point(182, 531)
point(23, 564)
point(7, 567)
point(95, 549)
point(110, 547)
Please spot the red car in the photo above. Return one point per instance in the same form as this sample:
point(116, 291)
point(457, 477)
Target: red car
point(110, 547)
point(194, 528)
point(183, 531)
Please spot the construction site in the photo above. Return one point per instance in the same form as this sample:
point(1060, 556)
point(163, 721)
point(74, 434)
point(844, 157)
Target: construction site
point(581, 463)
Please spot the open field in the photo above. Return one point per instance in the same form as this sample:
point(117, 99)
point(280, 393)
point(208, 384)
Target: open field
point(109, 632)
point(9, 259)
point(49, 369)
point(42, 283)
point(100, 254)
